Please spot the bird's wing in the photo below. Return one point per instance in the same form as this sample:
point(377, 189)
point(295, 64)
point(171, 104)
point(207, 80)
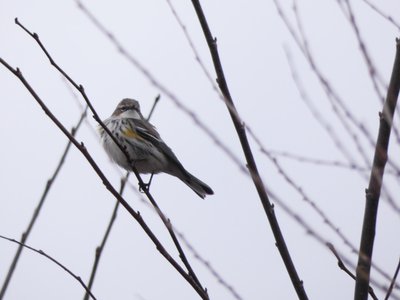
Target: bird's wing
point(150, 134)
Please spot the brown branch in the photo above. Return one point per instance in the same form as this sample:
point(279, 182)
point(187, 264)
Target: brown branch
point(135, 214)
point(153, 107)
point(38, 208)
point(339, 108)
point(375, 183)
point(342, 266)
point(392, 283)
point(99, 249)
point(142, 185)
point(41, 252)
point(210, 268)
point(382, 14)
point(373, 74)
point(240, 129)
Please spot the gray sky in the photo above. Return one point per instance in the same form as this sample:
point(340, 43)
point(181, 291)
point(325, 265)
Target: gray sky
point(229, 229)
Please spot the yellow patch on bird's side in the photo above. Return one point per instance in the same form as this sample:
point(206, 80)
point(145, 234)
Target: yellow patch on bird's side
point(130, 134)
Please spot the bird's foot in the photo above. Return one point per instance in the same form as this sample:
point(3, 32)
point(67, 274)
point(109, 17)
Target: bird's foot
point(145, 187)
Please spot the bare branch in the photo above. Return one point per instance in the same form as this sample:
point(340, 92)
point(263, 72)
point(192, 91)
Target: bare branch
point(194, 50)
point(143, 186)
point(347, 271)
point(38, 208)
point(338, 105)
point(210, 268)
point(41, 252)
point(251, 164)
point(382, 14)
point(99, 249)
point(390, 289)
point(347, 9)
point(153, 107)
point(136, 215)
point(375, 184)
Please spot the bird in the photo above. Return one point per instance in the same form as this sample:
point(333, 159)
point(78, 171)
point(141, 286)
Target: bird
point(148, 152)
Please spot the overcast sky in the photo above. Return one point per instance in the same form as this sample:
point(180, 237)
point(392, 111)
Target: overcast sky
point(229, 229)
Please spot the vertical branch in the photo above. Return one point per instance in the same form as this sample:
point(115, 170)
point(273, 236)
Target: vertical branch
point(99, 249)
point(240, 129)
point(375, 182)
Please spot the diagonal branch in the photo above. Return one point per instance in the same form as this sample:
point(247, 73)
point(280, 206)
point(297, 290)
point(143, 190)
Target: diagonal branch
point(41, 252)
point(135, 214)
point(375, 184)
point(167, 222)
point(99, 249)
point(38, 208)
point(390, 289)
point(342, 266)
point(240, 128)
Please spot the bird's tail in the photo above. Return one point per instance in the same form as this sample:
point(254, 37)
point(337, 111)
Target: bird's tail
point(198, 186)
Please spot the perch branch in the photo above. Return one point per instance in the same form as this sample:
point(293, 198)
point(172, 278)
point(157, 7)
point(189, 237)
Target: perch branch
point(142, 185)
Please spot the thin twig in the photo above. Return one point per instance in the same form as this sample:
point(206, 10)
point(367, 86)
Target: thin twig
point(346, 270)
point(99, 249)
point(373, 74)
point(375, 184)
point(323, 215)
point(339, 107)
point(252, 166)
point(347, 9)
point(142, 185)
point(208, 265)
point(38, 208)
point(194, 50)
point(153, 107)
point(392, 283)
point(341, 111)
point(41, 252)
point(382, 14)
point(324, 162)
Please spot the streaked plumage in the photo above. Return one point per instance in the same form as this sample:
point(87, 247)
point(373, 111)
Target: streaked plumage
point(145, 146)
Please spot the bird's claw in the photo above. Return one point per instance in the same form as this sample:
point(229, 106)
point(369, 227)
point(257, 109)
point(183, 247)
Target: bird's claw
point(144, 187)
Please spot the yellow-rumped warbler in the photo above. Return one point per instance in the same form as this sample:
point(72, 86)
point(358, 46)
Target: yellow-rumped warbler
point(144, 145)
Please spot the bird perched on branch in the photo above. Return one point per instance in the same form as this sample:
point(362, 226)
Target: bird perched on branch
point(146, 149)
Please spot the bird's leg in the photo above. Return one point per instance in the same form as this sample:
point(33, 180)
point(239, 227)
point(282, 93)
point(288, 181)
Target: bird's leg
point(146, 186)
